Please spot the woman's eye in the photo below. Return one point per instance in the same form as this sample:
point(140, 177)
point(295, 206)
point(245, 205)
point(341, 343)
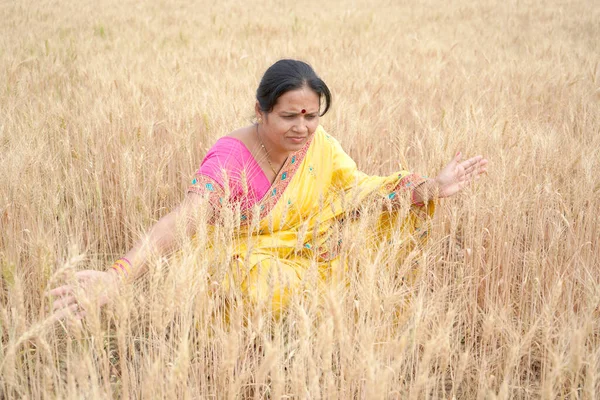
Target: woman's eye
point(311, 116)
point(289, 117)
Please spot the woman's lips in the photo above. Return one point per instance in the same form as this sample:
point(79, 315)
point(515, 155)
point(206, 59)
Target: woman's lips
point(296, 139)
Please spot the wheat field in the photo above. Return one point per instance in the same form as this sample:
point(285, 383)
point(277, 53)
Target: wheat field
point(106, 110)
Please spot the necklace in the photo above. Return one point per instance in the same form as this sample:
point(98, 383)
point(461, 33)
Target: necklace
point(265, 150)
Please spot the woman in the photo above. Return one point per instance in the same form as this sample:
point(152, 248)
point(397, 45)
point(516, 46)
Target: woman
point(291, 187)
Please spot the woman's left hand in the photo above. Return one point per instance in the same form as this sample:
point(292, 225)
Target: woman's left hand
point(91, 288)
point(458, 174)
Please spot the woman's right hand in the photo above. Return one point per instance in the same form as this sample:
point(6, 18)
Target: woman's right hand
point(91, 289)
point(458, 174)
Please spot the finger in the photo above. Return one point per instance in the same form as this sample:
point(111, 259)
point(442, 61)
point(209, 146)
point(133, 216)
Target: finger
point(458, 156)
point(61, 290)
point(74, 324)
point(471, 171)
point(66, 312)
point(482, 162)
point(83, 277)
point(63, 302)
point(471, 162)
point(80, 315)
point(478, 166)
point(469, 177)
point(480, 169)
point(476, 175)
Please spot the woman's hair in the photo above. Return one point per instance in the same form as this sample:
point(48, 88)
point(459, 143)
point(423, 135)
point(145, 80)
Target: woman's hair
point(286, 75)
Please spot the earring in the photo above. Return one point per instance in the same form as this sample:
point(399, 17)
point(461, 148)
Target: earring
point(259, 120)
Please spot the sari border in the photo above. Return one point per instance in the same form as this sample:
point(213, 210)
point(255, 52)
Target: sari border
point(405, 184)
point(282, 180)
point(204, 185)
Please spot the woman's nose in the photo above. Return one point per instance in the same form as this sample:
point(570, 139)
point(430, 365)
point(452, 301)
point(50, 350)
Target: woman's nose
point(301, 127)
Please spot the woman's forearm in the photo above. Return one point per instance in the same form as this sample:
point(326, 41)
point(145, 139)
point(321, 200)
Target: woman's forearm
point(159, 240)
point(164, 236)
point(426, 192)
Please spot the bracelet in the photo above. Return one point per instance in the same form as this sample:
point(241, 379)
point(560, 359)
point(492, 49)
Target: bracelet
point(414, 192)
point(414, 201)
point(122, 266)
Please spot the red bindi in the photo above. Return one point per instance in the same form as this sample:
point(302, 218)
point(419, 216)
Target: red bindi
point(303, 111)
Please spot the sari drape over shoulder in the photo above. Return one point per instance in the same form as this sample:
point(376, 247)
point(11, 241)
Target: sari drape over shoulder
point(286, 227)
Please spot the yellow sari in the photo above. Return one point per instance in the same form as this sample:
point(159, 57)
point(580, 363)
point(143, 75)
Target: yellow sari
point(298, 224)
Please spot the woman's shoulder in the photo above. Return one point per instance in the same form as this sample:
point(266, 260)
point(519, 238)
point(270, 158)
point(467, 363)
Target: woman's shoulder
point(241, 135)
point(233, 142)
point(228, 150)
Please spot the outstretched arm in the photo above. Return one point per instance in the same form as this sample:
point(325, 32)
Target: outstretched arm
point(161, 239)
point(452, 179)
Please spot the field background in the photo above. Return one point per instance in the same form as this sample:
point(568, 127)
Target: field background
point(106, 110)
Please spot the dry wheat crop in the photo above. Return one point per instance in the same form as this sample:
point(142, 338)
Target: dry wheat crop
point(107, 108)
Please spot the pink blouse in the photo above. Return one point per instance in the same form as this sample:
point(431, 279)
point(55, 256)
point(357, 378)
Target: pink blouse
point(230, 163)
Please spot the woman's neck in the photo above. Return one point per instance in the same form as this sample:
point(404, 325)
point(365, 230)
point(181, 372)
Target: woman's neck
point(276, 156)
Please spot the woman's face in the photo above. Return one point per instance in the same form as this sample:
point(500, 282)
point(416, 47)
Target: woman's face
point(292, 121)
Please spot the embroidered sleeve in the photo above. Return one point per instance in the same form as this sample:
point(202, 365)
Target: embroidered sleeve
point(218, 177)
point(211, 189)
point(405, 186)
